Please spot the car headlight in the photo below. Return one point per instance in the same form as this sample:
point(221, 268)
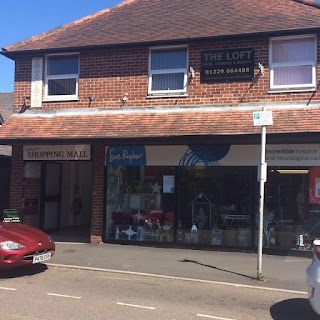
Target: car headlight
point(10, 245)
point(50, 239)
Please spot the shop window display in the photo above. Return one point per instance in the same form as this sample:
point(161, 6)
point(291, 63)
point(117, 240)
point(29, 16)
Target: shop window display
point(219, 202)
point(291, 196)
point(212, 205)
point(139, 206)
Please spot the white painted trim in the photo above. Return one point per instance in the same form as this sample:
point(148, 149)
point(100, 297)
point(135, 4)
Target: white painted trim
point(47, 97)
point(165, 93)
point(298, 87)
point(36, 82)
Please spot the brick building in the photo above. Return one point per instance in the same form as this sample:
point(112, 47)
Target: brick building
point(6, 109)
point(137, 122)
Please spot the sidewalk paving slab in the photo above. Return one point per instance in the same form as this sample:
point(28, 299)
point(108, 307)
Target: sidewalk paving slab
point(281, 272)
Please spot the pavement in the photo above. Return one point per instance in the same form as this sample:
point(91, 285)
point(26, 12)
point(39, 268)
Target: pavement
point(231, 268)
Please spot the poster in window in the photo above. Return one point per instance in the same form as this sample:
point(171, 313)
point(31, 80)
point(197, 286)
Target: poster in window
point(314, 191)
point(168, 184)
point(135, 201)
point(32, 170)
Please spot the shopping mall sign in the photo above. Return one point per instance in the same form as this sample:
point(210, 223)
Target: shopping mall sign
point(213, 155)
point(56, 152)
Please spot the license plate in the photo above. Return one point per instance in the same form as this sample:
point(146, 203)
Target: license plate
point(41, 257)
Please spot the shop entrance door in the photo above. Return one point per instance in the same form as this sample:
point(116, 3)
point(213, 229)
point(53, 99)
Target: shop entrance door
point(51, 189)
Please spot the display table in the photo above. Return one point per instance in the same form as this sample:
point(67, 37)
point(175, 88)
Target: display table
point(229, 219)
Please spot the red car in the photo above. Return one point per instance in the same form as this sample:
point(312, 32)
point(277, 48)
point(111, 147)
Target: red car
point(23, 245)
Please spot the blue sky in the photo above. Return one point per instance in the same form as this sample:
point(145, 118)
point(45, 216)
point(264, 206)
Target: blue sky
point(20, 19)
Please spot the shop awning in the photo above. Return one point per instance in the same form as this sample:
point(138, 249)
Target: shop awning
point(90, 124)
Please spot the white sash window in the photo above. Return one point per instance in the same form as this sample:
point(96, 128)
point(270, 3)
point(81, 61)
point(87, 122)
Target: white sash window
point(293, 63)
point(168, 71)
point(62, 76)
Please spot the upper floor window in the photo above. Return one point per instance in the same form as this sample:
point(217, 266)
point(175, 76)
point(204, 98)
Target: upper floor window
point(293, 63)
point(168, 71)
point(61, 77)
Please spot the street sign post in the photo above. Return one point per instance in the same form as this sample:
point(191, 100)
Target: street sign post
point(262, 118)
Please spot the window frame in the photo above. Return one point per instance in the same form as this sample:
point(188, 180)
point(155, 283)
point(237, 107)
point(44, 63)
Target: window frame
point(48, 97)
point(293, 87)
point(179, 92)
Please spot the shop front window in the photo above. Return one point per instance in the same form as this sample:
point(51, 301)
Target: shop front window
point(140, 203)
point(292, 205)
point(216, 205)
point(212, 206)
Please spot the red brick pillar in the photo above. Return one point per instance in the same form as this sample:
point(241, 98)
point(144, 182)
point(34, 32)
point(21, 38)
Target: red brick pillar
point(16, 176)
point(98, 168)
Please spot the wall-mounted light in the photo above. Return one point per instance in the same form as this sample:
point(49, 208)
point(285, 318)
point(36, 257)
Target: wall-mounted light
point(26, 102)
point(125, 97)
point(261, 69)
point(91, 98)
point(191, 73)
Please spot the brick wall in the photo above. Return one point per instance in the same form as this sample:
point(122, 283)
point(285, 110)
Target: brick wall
point(98, 168)
point(32, 190)
point(21, 188)
point(22, 84)
point(109, 74)
point(16, 186)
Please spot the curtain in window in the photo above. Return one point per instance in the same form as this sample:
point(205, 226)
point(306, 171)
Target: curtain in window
point(292, 75)
point(167, 81)
point(168, 69)
point(293, 61)
point(59, 87)
point(293, 50)
point(62, 65)
point(168, 59)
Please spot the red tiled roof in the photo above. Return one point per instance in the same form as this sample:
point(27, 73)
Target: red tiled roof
point(150, 123)
point(4, 113)
point(137, 21)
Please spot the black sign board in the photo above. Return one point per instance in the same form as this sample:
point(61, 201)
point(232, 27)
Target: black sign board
point(11, 215)
point(227, 65)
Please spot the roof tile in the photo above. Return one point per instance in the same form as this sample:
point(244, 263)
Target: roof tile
point(134, 21)
point(140, 124)
point(6, 104)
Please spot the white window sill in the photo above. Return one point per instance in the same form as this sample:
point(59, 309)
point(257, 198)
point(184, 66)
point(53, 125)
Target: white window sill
point(60, 99)
point(292, 90)
point(169, 95)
